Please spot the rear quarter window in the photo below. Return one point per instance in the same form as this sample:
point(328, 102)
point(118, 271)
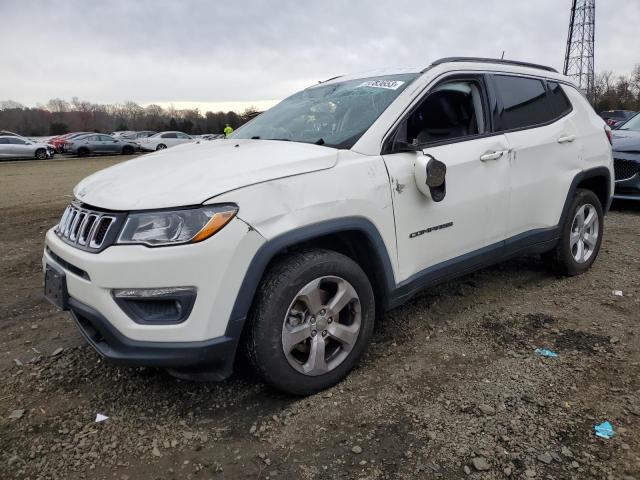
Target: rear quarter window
point(558, 101)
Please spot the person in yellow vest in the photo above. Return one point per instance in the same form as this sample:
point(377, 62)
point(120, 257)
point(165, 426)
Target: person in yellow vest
point(228, 130)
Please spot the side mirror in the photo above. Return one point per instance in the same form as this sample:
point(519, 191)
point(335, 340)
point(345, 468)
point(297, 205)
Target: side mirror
point(430, 175)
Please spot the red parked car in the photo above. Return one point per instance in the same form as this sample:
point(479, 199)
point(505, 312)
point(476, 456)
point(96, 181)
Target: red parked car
point(58, 142)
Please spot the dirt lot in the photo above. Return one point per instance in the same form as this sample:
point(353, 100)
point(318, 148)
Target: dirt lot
point(451, 387)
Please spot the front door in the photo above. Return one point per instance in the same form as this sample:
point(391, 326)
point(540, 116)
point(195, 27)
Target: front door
point(468, 225)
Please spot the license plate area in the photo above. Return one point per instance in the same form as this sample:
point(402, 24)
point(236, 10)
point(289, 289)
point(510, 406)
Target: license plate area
point(55, 287)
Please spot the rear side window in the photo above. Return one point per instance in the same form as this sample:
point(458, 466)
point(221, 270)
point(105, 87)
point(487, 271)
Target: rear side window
point(169, 135)
point(529, 102)
point(523, 100)
point(558, 100)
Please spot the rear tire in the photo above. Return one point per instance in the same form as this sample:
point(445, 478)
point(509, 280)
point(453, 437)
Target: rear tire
point(581, 236)
point(311, 321)
point(161, 146)
point(41, 154)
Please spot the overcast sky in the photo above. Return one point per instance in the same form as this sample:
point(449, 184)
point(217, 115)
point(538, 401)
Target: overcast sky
point(239, 52)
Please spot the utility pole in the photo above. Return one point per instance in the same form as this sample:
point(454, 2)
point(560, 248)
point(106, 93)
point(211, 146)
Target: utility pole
point(579, 57)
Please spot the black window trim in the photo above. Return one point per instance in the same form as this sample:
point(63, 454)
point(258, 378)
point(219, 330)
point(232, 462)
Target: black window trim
point(491, 96)
point(544, 81)
point(479, 77)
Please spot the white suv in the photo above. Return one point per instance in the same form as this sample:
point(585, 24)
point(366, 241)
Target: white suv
point(291, 237)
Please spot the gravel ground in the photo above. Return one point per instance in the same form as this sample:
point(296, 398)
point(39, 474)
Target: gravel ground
point(451, 387)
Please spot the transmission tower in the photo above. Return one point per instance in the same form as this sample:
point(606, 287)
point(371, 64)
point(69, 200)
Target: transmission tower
point(578, 61)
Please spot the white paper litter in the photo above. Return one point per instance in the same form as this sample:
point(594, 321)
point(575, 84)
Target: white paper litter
point(100, 417)
point(617, 293)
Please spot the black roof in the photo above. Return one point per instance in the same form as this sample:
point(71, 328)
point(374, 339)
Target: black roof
point(492, 60)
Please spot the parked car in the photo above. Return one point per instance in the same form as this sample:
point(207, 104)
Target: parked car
point(98, 143)
point(163, 140)
point(344, 200)
point(58, 143)
point(626, 155)
point(138, 135)
point(122, 133)
point(615, 118)
point(13, 146)
point(7, 133)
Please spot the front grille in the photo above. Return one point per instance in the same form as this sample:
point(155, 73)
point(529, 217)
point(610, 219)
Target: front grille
point(625, 169)
point(87, 228)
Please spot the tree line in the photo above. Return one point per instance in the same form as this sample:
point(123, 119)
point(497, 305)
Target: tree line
point(59, 116)
point(617, 92)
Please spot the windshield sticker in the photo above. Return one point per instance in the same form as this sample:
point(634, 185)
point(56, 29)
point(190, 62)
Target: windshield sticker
point(387, 84)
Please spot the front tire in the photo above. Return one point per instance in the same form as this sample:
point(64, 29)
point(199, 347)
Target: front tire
point(311, 321)
point(581, 236)
point(83, 152)
point(161, 146)
point(41, 154)
point(127, 150)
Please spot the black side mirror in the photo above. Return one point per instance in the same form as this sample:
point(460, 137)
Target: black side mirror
point(436, 178)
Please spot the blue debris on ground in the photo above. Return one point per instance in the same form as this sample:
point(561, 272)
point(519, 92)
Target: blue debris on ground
point(546, 352)
point(604, 430)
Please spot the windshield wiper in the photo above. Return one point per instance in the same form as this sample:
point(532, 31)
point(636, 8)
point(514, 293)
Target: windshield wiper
point(257, 137)
point(320, 141)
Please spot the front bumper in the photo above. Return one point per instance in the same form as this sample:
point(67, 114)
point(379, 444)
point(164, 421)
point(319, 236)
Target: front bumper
point(627, 166)
point(216, 355)
point(214, 267)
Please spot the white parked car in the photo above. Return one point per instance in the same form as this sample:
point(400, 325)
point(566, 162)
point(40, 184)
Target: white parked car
point(13, 146)
point(343, 201)
point(163, 140)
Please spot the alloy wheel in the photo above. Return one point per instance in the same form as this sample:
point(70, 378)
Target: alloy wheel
point(585, 230)
point(321, 326)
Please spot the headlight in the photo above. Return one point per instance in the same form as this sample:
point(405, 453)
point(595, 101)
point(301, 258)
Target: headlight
point(176, 227)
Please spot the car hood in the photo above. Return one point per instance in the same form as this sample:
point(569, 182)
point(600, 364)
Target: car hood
point(191, 173)
point(626, 141)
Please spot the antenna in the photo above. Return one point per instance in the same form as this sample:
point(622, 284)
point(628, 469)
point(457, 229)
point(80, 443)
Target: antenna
point(579, 57)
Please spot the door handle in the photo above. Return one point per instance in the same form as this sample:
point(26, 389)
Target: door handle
point(491, 156)
point(567, 139)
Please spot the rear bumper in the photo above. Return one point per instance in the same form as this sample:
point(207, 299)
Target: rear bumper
point(216, 356)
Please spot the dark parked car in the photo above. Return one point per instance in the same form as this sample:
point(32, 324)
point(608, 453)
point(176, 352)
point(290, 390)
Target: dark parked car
point(615, 118)
point(626, 158)
point(99, 143)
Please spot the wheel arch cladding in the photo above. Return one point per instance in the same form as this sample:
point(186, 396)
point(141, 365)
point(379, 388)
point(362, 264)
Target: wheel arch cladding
point(596, 179)
point(599, 183)
point(355, 237)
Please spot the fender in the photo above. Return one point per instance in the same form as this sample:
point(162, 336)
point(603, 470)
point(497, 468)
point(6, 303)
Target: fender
point(585, 175)
point(291, 238)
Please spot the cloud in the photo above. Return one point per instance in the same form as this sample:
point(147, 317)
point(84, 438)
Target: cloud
point(253, 50)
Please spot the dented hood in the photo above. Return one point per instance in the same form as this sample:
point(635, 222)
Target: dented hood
point(192, 173)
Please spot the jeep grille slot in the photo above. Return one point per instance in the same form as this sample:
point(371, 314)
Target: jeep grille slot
point(84, 227)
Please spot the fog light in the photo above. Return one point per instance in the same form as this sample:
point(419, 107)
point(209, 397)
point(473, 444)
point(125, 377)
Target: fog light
point(153, 306)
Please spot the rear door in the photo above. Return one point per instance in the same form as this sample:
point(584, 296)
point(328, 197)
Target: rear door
point(536, 117)
point(169, 139)
point(20, 148)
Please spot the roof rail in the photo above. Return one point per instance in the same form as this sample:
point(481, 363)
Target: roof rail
point(492, 60)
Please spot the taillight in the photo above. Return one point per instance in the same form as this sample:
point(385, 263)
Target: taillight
point(607, 130)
